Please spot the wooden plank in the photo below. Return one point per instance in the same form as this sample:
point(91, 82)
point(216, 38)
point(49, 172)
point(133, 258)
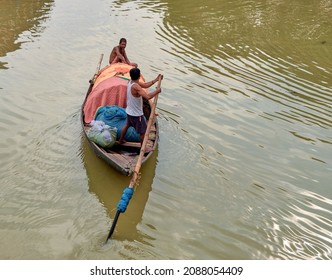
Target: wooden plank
point(131, 144)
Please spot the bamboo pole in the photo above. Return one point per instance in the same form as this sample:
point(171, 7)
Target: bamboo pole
point(138, 165)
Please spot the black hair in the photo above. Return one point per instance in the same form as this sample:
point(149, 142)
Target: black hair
point(135, 73)
point(123, 40)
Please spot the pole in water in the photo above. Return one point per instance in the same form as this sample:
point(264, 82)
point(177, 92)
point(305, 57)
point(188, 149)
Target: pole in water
point(128, 191)
point(122, 207)
point(113, 225)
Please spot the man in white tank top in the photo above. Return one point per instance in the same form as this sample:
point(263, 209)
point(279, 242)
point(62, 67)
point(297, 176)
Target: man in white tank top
point(134, 110)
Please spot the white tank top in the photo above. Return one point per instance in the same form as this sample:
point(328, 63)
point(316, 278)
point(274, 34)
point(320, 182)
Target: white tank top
point(134, 104)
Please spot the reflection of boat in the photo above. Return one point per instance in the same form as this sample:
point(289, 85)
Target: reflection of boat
point(108, 184)
point(110, 88)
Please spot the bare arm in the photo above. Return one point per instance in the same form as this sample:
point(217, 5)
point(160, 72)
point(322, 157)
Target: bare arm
point(126, 59)
point(112, 56)
point(149, 84)
point(120, 56)
point(138, 90)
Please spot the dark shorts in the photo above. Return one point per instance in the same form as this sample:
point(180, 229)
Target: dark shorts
point(138, 123)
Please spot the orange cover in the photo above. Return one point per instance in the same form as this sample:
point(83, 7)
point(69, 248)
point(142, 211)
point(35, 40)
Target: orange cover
point(110, 88)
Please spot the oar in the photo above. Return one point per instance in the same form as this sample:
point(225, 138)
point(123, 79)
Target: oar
point(97, 70)
point(128, 191)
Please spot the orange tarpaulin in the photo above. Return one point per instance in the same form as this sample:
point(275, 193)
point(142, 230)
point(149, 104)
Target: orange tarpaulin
point(117, 69)
point(110, 88)
point(112, 91)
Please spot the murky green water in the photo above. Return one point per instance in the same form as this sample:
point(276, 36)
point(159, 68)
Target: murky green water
point(243, 167)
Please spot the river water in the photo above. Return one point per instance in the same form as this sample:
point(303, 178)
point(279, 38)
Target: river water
point(244, 162)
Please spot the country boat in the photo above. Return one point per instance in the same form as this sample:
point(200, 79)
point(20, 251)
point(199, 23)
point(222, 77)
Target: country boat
point(105, 102)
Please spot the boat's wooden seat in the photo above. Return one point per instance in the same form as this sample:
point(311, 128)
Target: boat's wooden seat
point(132, 144)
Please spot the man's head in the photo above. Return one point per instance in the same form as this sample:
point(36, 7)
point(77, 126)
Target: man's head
point(135, 73)
point(123, 43)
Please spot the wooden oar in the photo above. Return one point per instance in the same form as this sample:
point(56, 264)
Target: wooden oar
point(92, 81)
point(128, 191)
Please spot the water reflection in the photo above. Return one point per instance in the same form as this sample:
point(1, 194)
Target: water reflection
point(108, 184)
point(21, 21)
point(250, 86)
point(212, 22)
point(231, 50)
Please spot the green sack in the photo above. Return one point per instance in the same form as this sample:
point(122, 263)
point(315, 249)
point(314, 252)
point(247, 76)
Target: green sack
point(102, 134)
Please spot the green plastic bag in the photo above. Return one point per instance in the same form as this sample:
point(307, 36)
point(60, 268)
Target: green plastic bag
point(102, 134)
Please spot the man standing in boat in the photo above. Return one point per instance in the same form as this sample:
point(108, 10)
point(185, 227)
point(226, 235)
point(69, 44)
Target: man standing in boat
point(118, 54)
point(134, 110)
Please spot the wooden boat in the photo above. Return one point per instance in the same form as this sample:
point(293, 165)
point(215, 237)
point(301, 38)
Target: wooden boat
point(109, 87)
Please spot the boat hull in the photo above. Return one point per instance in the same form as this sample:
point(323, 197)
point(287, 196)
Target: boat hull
point(101, 92)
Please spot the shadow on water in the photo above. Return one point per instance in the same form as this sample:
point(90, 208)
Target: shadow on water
point(108, 184)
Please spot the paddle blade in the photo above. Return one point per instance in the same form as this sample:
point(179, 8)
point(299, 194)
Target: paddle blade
point(113, 225)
